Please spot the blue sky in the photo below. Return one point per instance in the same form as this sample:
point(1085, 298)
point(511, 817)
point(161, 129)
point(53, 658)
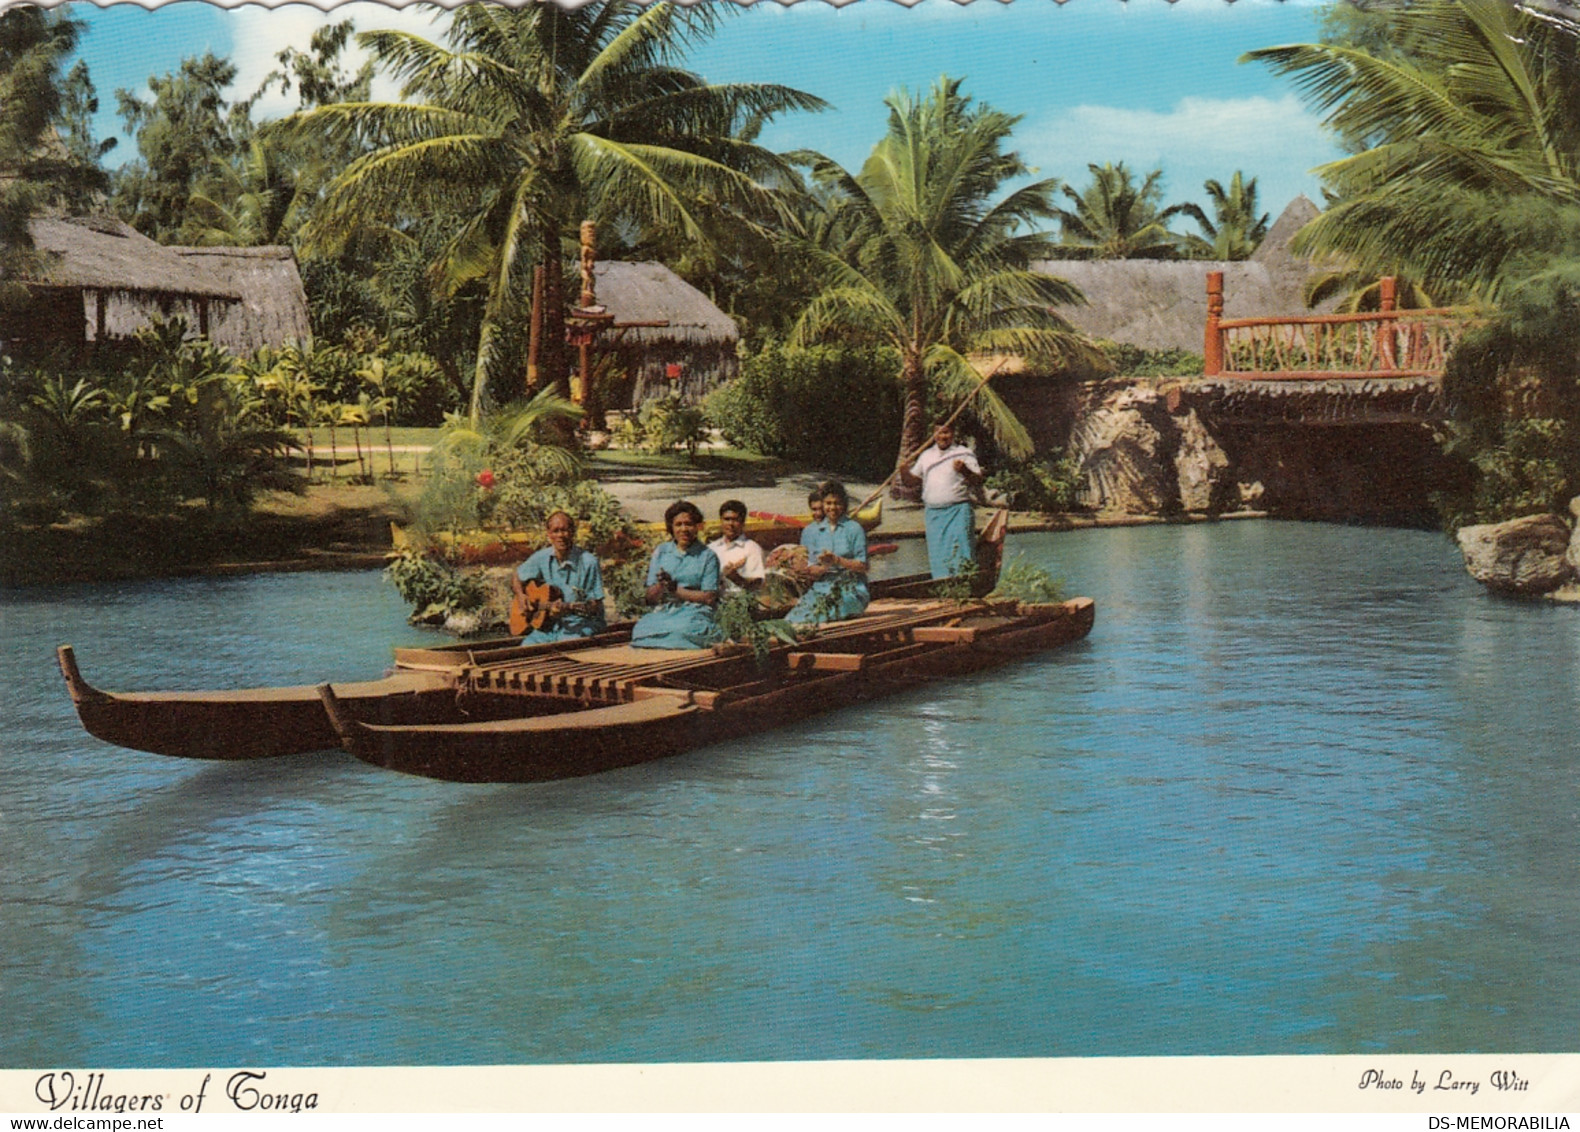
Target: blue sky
point(1143, 81)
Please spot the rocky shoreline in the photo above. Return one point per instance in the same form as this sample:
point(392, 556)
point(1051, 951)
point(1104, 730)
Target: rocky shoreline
point(1535, 556)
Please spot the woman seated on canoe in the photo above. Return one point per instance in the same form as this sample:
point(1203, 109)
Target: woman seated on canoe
point(836, 549)
point(683, 584)
point(576, 610)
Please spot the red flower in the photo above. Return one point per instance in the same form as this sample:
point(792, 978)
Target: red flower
point(485, 479)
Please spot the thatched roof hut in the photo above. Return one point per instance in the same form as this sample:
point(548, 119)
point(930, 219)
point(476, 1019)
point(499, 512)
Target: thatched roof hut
point(98, 278)
point(273, 306)
point(689, 356)
point(1162, 304)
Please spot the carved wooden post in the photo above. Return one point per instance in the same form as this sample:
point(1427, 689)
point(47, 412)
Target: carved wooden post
point(587, 300)
point(1387, 303)
point(589, 295)
point(1212, 346)
point(535, 334)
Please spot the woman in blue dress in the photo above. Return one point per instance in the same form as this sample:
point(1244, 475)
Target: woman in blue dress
point(836, 554)
point(683, 586)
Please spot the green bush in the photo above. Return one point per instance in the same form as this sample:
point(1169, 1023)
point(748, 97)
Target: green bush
point(433, 588)
point(833, 407)
point(1049, 486)
point(1133, 361)
point(668, 423)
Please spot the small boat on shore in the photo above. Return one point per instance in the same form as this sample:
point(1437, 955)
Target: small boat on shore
point(595, 708)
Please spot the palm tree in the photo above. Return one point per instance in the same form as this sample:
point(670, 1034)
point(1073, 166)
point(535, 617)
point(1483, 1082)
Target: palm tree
point(526, 424)
point(1467, 140)
point(1114, 218)
point(247, 200)
point(532, 119)
point(330, 412)
point(936, 267)
point(376, 376)
point(1235, 229)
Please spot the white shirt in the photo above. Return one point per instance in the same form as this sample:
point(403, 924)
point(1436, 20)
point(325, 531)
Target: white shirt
point(941, 484)
point(741, 554)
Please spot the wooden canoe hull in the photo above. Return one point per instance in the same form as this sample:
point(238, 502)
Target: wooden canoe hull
point(251, 723)
point(669, 721)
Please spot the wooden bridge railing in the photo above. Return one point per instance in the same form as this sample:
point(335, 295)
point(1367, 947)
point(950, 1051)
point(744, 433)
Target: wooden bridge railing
point(1384, 343)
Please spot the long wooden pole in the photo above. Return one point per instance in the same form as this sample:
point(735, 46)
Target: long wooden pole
point(949, 420)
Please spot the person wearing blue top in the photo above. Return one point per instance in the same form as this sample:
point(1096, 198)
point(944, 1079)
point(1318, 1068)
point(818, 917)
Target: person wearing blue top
point(836, 553)
point(578, 612)
point(683, 584)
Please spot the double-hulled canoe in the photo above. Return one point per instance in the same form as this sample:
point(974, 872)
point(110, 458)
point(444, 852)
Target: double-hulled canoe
point(254, 723)
point(599, 707)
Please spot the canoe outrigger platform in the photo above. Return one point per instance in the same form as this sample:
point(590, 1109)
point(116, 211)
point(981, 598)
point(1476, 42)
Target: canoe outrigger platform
point(592, 709)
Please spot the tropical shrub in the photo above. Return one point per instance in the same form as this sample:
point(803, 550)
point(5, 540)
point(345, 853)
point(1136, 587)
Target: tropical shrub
point(1134, 361)
point(833, 407)
point(1049, 486)
point(667, 423)
point(435, 589)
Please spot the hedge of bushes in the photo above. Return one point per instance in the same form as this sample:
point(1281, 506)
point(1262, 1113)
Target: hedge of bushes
point(831, 407)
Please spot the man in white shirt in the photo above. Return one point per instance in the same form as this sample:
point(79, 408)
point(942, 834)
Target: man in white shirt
point(949, 475)
point(740, 559)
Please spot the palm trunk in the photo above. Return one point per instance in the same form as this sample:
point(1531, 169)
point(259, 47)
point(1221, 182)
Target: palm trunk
point(553, 357)
point(389, 444)
point(334, 453)
point(913, 431)
point(356, 436)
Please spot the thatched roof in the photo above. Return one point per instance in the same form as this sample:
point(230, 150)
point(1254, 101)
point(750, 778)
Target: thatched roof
point(273, 307)
point(648, 292)
point(102, 253)
point(1161, 304)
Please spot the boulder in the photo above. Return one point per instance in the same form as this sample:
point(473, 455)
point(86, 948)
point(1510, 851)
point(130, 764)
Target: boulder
point(1124, 458)
point(1200, 465)
point(1523, 556)
point(1572, 555)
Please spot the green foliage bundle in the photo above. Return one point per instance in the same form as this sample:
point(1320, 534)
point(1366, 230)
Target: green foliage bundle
point(1049, 486)
point(1514, 388)
point(739, 620)
point(181, 420)
point(1025, 581)
point(664, 424)
point(434, 588)
point(833, 407)
point(1135, 361)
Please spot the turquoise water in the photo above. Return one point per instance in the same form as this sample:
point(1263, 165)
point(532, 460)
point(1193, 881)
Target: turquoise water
point(1305, 789)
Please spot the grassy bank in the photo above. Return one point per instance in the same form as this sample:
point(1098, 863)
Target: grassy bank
point(330, 527)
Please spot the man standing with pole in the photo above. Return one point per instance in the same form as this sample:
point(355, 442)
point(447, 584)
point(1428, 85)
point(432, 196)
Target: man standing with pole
point(949, 476)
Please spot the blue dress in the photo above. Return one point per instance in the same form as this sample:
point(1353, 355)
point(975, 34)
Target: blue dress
point(579, 578)
point(840, 593)
point(681, 624)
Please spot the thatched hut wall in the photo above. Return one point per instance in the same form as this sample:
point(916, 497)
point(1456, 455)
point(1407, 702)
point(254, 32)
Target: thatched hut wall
point(688, 357)
point(119, 279)
point(1162, 304)
point(273, 306)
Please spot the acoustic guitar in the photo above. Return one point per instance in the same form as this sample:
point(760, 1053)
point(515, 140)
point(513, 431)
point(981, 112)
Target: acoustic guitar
point(532, 608)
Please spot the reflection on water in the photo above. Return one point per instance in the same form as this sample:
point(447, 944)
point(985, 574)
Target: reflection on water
point(1305, 789)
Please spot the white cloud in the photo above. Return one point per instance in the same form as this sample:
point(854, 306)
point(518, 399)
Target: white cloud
point(260, 34)
point(1275, 140)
